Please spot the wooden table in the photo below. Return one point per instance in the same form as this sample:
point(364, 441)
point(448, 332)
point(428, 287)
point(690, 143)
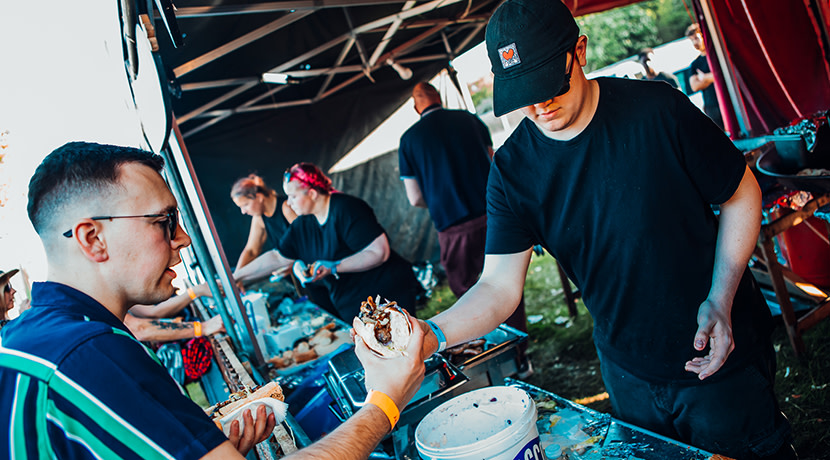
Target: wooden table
point(779, 274)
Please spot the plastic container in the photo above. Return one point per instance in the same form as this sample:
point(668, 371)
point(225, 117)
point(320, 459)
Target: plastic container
point(807, 252)
point(495, 423)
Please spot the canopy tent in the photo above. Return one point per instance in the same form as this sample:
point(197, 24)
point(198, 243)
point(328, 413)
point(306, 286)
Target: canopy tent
point(337, 56)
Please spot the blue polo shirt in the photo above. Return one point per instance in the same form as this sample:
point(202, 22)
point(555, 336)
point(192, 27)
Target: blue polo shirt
point(75, 383)
point(446, 153)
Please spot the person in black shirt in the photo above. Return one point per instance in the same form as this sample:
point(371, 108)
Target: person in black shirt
point(702, 78)
point(337, 237)
point(270, 215)
point(616, 178)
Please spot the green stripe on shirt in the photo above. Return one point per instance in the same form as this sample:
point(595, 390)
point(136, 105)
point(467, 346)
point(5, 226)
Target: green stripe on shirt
point(18, 422)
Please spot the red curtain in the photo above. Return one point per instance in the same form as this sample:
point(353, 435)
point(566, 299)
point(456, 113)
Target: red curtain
point(776, 48)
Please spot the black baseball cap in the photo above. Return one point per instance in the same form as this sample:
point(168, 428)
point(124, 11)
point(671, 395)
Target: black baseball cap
point(527, 43)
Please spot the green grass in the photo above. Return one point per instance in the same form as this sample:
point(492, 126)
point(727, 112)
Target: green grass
point(565, 361)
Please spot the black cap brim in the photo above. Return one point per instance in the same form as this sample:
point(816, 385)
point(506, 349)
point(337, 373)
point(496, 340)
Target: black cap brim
point(531, 87)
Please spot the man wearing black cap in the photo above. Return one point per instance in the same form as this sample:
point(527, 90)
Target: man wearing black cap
point(616, 179)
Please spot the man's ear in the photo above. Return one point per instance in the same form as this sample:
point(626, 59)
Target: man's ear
point(87, 233)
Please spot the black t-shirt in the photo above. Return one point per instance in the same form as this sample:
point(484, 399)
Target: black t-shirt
point(625, 208)
point(276, 225)
point(446, 153)
point(710, 96)
point(350, 227)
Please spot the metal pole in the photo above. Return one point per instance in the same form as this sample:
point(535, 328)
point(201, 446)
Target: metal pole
point(726, 67)
point(204, 229)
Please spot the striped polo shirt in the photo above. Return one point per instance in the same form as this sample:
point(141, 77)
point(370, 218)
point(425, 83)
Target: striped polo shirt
point(75, 383)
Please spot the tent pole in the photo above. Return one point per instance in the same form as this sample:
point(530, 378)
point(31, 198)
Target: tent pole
point(726, 68)
point(206, 243)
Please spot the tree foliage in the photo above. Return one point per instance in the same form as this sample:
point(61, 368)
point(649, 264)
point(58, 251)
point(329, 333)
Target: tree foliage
point(616, 34)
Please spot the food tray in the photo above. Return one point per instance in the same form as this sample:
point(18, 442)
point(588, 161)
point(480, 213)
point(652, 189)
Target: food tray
point(300, 324)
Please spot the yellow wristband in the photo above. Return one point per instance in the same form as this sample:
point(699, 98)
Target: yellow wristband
point(191, 293)
point(197, 329)
point(385, 404)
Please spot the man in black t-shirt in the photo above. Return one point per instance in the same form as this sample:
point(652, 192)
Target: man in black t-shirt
point(444, 160)
point(616, 179)
point(702, 79)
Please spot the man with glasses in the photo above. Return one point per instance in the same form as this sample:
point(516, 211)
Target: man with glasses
point(616, 178)
point(74, 383)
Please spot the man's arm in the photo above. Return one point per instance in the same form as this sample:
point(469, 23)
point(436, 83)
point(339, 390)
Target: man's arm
point(413, 193)
point(700, 81)
point(256, 239)
point(740, 223)
point(262, 266)
point(486, 305)
point(398, 378)
point(172, 305)
point(154, 330)
point(373, 255)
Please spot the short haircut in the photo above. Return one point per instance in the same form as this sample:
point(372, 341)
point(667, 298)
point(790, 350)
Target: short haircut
point(692, 30)
point(77, 172)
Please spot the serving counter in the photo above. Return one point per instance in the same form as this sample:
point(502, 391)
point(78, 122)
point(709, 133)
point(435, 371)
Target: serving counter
point(325, 391)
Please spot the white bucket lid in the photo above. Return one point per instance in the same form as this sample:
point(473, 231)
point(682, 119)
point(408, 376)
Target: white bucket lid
point(490, 419)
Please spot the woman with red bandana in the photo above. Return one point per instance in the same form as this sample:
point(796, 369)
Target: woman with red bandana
point(336, 238)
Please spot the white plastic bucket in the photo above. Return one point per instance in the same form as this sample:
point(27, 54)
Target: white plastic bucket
point(494, 423)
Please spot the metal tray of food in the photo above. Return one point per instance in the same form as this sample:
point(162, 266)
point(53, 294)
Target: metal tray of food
point(488, 360)
point(304, 335)
point(787, 160)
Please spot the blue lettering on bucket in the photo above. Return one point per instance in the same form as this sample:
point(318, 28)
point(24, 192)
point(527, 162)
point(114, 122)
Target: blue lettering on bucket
point(531, 451)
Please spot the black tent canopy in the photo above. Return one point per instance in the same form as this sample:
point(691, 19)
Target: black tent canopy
point(336, 54)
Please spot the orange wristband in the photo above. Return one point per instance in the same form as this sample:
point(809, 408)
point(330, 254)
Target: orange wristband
point(191, 293)
point(197, 329)
point(385, 404)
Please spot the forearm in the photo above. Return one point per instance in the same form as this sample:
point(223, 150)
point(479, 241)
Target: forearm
point(370, 257)
point(262, 266)
point(164, 309)
point(488, 303)
point(739, 225)
point(355, 439)
point(154, 330)
point(245, 258)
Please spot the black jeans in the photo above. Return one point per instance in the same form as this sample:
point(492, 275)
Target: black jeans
point(735, 415)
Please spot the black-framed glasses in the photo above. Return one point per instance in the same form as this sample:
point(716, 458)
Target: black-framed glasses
point(8, 288)
point(172, 218)
point(566, 86)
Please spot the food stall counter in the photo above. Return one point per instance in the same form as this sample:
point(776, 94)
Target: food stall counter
point(568, 430)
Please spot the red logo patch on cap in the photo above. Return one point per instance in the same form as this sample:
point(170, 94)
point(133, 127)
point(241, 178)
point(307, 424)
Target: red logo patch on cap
point(509, 56)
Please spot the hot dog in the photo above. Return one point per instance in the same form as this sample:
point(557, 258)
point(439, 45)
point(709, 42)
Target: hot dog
point(240, 398)
point(384, 327)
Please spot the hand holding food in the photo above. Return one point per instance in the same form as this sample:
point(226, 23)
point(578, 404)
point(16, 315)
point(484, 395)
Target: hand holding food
point(398, 376)
point(233, 410)
point(384, 327)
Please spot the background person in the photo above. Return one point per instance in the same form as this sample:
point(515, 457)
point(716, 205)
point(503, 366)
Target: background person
point(702, 78)
point(624, 204)
point(7, 301)
point(270, 215)
point(338, 238)
point(444, 160)
point(270, 218)
point(645, 58)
